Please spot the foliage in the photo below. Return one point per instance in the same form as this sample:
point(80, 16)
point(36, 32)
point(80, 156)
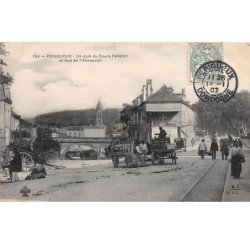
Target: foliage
point(21, 139)
point(3, 50)
point(5, 78)
point(224, 118)
point(125, 117)
point(20, 134)
point(44, 143)
point(78, 118)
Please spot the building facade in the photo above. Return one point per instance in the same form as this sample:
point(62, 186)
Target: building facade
point(5, 118)
point(86, 131)
point(165, 109)
point(14, 121)
point(9, 120)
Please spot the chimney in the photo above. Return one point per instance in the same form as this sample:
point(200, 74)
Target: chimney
point(149, 88)
point(183, 92)
point(138, 100)
point(144, 93)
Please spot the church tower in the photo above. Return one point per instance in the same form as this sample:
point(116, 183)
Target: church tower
point(99, 115)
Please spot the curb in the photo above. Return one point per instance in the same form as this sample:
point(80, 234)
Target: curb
point(226, 182)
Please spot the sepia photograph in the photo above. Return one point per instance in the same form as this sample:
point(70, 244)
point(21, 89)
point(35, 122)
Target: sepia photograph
point(124, 121)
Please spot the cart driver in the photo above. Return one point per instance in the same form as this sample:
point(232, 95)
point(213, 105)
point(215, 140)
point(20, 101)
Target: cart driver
point(162, 134)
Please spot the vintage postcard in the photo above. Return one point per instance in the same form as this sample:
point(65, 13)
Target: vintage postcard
point(125, 121)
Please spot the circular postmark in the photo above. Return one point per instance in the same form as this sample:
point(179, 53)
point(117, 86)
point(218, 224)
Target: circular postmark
point(215, 81)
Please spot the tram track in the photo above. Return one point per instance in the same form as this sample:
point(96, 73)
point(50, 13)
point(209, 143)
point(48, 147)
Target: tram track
point(210, 186)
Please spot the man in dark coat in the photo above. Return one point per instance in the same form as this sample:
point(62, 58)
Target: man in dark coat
point(162, 134)
point(15, 164)
point(224, 150)
point(240, 143)
point(213, 148)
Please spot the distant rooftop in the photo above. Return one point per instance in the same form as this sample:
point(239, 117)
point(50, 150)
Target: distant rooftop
point(165, 94)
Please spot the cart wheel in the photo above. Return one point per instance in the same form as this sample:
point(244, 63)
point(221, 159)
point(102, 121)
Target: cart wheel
point(51, 157)
point(27, 161)
point(153, 158)
point(115, 160)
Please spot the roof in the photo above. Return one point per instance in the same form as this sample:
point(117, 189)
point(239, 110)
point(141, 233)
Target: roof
point(165, 94)
point(15, 115)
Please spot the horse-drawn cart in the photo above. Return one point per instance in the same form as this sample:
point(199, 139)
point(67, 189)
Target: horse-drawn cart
point(27, 157)
point(30, 159)
point(119, 148)
point(161, 150)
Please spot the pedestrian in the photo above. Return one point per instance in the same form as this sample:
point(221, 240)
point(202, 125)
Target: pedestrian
point(214, 148)
point(224, 150)
point(202, 149)
point(149, 148)
point(192, 142)
point(235, 157)
point(230, 138)
point(240, 143)
point(15, 164)
point(139, 154)
point(144, 149)
point(81, 154)
point(137, 148)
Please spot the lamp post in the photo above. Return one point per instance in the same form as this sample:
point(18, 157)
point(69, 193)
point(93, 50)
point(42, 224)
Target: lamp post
point(204, 123)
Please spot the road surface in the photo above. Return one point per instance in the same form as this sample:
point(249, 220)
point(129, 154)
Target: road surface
point(100, 181)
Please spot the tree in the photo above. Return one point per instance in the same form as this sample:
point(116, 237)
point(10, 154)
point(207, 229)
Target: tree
point(21, 139)
point(125, 116)
point(224, 118)
point(5, 77)
point(44, 144)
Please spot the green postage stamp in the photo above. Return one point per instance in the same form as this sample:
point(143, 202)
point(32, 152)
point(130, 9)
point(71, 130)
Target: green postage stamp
point(200, 53)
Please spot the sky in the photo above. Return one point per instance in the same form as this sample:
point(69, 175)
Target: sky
point(44, 84)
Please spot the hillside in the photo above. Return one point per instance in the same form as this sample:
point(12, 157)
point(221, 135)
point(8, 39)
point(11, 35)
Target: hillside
point(78, 117)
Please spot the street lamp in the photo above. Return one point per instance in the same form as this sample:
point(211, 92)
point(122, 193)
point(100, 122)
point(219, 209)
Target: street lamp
point(204, 122)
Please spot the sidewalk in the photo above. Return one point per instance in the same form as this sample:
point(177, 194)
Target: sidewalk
point(238, 189)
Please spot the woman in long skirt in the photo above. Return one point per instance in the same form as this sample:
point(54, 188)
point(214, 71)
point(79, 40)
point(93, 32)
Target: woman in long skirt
point(235, 160)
